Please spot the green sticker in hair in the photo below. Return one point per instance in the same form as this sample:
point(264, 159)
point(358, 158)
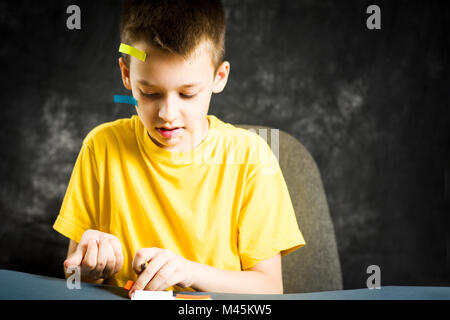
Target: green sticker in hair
point(124, 48)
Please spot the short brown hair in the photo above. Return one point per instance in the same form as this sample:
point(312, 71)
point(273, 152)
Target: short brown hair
point(177, 26)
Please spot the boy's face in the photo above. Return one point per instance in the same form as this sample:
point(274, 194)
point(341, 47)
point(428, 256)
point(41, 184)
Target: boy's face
point(173, 92)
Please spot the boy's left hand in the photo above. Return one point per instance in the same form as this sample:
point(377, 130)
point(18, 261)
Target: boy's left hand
point(164, 270)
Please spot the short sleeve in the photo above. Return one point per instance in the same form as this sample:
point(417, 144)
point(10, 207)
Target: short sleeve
point(267, 222)
point(79, 210)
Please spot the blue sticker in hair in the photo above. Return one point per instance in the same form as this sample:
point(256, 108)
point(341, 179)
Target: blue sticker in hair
point(125, 99)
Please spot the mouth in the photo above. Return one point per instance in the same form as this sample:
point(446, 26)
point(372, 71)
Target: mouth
point(168, 128)
point(169, 132)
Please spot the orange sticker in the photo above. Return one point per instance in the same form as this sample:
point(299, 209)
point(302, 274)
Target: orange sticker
point(128, 285)
point(180, 296)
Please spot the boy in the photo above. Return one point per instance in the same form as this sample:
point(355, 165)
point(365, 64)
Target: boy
point(155, 198)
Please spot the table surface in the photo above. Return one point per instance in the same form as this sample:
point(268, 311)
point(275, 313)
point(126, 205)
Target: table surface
point(24, 286)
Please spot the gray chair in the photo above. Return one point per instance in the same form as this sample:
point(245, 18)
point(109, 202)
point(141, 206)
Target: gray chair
point(315, 266)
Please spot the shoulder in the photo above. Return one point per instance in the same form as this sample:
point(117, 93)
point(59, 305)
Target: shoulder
point(229, 130)
point(112, 132)
point(246, 141)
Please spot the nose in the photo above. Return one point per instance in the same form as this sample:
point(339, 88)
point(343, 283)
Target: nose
point(168, 110)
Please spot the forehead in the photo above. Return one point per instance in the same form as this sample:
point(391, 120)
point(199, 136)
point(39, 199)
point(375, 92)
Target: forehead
point(165, 68)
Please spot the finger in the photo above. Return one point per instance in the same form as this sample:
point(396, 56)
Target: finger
point(118, 253)
point(152, 268)
point(90, 235)
point(90, 258)
point(163, 278)
point(111, 263)
point(143, 255)
point(105, 259)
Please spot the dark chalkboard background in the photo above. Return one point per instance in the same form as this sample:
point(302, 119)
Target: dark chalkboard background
point(372, 107)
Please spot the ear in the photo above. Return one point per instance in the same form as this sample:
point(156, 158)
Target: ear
point(221, 77)
point(125, 73)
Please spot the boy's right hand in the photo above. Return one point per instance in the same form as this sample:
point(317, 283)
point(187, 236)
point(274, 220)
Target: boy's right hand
point(98, 254)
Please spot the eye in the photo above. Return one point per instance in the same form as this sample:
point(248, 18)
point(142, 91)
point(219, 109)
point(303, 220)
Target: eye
point(187, 96)
point(150, 95)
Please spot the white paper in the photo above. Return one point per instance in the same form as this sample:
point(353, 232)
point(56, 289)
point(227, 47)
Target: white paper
point(152, 295)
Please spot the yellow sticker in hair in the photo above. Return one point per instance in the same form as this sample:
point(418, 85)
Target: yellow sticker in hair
point(132, 51)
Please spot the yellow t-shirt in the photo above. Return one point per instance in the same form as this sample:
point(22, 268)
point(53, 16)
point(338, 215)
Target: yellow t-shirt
point(224, 203)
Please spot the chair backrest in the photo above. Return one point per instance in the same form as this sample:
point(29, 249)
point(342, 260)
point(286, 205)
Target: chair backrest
point(316, 266)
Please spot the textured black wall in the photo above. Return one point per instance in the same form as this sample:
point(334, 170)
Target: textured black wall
point(370, 106)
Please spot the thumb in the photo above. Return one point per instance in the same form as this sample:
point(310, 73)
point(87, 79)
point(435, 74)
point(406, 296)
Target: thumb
point(73, 260)
point(76, 258)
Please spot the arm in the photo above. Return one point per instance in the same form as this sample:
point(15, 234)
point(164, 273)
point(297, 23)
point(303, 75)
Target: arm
point(166, 269)
point(265, 277)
